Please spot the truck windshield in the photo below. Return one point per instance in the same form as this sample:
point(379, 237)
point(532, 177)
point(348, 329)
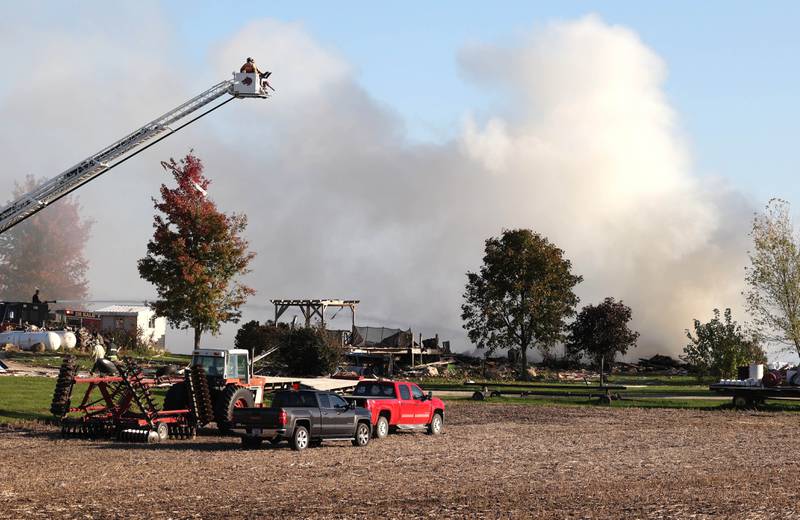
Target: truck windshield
point(214, 366)
point(375, 389)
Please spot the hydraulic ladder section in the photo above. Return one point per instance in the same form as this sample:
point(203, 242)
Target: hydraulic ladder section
point(107, 158)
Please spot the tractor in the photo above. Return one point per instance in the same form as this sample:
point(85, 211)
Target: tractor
point(220, 380)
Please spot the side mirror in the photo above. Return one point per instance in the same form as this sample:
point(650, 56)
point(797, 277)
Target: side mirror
point(430, 395)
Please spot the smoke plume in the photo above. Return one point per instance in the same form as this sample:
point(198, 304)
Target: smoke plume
point(583, 148)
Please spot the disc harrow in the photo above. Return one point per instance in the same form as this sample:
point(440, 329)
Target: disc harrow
point(137, 435)
point(64, 384)
point(118, 406)
point(182, 432)
point(87, 429)
point(132, 377)
point(199, 395)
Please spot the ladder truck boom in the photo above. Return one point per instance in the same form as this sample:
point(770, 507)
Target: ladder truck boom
point(243, 85)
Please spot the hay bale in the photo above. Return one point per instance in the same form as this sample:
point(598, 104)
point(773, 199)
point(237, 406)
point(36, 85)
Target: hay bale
point(38, 347)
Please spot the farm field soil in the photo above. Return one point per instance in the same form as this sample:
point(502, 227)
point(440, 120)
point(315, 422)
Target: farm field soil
point(494, 461)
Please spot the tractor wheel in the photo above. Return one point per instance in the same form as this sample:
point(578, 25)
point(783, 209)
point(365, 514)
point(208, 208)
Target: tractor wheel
point(300, 438)
point(231, 397)
point(177, 398)
point(382, 427)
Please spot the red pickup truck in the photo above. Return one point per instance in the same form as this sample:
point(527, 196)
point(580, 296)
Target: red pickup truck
point(397, 405)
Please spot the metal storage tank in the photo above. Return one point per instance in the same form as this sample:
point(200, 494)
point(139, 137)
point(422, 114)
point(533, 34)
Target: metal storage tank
point(68, 339)
point(25, 340)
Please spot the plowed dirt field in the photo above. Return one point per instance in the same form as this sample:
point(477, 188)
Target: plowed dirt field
point(494, 461)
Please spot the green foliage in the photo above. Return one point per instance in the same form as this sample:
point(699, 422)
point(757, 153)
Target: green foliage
point(45, 251)
point(773, 278)
point(195, 255)
point(720, 346)
point(601, 331)
point(521, 296)
point(308, 351)
point(258, 338)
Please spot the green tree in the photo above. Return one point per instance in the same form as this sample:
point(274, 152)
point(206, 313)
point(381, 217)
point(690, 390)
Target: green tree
point(308, 351)
point(45, 251)
point(601, 331)
point(773, 278)
point(257, 338)
point(196, 254)
point(720, 346)
point(521, 296)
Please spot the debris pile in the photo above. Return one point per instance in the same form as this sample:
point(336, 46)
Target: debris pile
point(465, 367)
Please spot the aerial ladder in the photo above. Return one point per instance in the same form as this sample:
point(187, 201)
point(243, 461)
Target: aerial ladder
point(243, 85)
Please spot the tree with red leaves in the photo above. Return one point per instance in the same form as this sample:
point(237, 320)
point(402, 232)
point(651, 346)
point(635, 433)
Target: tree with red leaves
point(45, 251)
point(195, 254)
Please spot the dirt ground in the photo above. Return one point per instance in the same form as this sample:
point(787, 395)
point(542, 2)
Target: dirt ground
point(494, 461)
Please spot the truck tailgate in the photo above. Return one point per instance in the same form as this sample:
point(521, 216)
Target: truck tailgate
point(257, 417)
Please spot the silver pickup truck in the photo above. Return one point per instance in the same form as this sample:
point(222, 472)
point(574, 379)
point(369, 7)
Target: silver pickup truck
point(303, 417)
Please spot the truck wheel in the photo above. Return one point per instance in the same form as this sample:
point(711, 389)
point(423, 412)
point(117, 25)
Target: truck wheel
point(250, 443)
point(436, 425)
point(231, 397)
point(382, 427)
point(299, 440)
point(362, 435)
point(176, 398)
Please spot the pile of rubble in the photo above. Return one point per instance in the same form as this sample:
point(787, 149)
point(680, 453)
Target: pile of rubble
point(464, 367)
point(658, 364)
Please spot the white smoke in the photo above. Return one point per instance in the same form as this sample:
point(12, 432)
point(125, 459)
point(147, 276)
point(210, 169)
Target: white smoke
point(587, 151)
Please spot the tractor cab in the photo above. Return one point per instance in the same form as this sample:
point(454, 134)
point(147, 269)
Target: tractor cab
point(224, 365)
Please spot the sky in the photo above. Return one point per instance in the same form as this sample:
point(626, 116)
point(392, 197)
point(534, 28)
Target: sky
point(730, 75)
point(639, 139)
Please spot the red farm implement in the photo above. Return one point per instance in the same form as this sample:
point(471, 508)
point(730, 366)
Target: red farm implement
point(120, 404)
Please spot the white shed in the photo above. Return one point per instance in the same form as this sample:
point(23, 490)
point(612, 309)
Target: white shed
point(131, 317)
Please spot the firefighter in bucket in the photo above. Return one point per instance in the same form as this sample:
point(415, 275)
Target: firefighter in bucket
point(251, 68)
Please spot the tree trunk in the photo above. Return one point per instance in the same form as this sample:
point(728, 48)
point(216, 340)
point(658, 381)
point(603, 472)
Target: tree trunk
point(198, 331)
point(523, 362)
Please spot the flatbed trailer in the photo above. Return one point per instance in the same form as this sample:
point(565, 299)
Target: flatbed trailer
point(749, 396)
point(605, 393)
